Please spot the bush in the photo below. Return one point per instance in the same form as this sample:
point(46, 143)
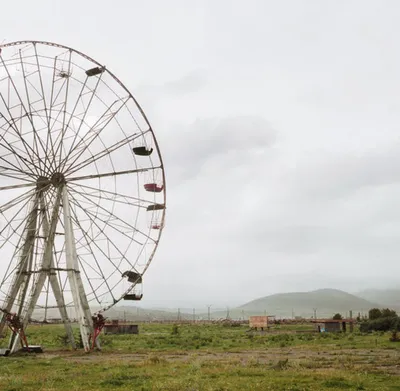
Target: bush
point(386, 312)
point(381, 320)
point(175, 330)
point(337, 317)
point(374, 313)
point(381, 324)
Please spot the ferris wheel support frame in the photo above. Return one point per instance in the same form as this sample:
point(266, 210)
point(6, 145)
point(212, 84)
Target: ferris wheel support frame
point(47, 270)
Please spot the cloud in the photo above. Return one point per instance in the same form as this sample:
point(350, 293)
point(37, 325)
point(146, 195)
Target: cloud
point(339, 175)
point(218, 146)
point(191, 82)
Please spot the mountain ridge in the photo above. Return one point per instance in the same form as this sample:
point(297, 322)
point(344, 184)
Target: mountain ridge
point(325, 302)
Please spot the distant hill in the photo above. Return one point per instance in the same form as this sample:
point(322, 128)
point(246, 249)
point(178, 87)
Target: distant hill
point(326, 301)
point(385, 297)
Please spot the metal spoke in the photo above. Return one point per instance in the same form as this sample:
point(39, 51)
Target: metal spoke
point(36, 138)
point(29, 163)
point(82, 144)
point(13, 169)
point(49, 138)
point(111, 214)
point(14, 231)
point(14, 202)
point(9, 148)
point(23, 107)
point(12, 176)
point(47, 160)
point(106, 174)
point(88, 243)
point(65, 107)
point(107, 151)
point(17, 186)
point(112, 196)
point(76, 203)
point(61, 163)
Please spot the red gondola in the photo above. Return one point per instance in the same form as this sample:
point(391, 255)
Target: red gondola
point(154, 187)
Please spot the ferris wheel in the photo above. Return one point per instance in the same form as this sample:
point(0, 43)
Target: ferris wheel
point(82, 190)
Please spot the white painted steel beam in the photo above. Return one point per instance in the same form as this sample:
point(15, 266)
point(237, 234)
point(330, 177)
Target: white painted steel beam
point(78, 292)
point(55, 285)
point(22, 276)
point(46, 263)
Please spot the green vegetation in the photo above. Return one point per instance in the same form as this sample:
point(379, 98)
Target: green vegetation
point(381, 320)
point(208, 357)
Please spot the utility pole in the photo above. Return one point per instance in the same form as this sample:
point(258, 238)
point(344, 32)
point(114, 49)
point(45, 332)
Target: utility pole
point(315, 313)
point(194, 314)
point(227, 313)
point(209, 312)
point(179, 314)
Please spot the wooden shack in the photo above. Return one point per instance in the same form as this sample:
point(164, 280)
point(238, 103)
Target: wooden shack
point(258, 322)
point(333, 325)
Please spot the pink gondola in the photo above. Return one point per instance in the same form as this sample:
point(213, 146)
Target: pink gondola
point(153, 187)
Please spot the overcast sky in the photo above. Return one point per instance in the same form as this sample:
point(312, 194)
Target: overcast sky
point(278, 123)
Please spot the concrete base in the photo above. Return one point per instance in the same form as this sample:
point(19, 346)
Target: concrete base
point(32, 349)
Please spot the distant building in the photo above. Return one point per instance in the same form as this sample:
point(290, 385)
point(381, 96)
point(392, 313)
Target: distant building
point(116, 328)
point(259, 322)
point(333, 325)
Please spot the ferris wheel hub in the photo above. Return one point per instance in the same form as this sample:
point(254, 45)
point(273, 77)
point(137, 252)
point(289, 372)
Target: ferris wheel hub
point(42, 182)
point(57, 179)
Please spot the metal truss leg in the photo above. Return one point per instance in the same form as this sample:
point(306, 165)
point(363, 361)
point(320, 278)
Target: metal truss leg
point(22, 277)
point(77, 288)
point(55, 285)
point(46, 262)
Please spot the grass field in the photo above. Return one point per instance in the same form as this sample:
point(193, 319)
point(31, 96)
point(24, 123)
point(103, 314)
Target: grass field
point(207, 357)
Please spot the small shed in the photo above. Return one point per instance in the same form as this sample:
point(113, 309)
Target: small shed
point(121, 329)
point(259, 322)
point(333, 325)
